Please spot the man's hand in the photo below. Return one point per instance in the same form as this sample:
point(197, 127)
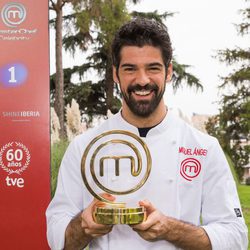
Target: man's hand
point(89, 226)
point(82, 229)
point(161, 227)
point(155, 226)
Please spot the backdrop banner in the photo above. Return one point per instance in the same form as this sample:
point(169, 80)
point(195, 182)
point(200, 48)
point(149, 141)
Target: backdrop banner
point(24, 124)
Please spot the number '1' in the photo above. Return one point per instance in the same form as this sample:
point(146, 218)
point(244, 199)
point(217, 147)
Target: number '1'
point(12, 75)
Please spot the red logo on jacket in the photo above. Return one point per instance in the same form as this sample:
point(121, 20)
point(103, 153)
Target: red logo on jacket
point(190, 168)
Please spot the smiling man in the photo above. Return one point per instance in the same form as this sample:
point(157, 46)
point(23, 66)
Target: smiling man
point(142, 76)
point(190, 199)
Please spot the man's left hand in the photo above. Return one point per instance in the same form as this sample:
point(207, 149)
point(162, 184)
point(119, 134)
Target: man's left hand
point(155, 227)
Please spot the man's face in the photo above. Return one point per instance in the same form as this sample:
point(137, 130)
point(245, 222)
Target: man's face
point(142, 78)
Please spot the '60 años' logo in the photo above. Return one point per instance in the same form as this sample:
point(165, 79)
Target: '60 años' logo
point(14, 158)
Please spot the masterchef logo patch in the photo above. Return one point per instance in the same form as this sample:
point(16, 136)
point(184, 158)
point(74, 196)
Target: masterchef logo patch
point(190, 168)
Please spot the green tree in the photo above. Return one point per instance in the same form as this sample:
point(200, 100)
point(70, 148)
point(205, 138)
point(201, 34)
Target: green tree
point(57, 6)
point(95, 22)
point(232, 125)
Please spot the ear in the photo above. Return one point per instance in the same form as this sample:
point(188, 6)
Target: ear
point(115, 77)
point(169, 72)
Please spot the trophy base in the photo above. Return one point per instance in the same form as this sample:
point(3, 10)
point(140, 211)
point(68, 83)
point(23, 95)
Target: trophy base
point(129, 216)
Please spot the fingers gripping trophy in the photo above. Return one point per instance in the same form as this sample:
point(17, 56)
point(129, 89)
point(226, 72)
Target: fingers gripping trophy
point(116, 162)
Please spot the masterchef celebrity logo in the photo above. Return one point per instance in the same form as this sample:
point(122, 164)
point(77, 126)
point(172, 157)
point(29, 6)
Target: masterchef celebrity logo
point(13, 14)
point(190, 168)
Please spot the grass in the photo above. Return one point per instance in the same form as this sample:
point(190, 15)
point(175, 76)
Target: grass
point(57, 152)
point(244, 195)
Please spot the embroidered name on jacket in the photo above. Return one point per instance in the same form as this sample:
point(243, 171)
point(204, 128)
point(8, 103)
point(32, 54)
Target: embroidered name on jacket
point(194, 151)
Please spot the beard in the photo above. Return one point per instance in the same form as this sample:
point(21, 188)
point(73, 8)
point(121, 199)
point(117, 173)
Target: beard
point(143, 108)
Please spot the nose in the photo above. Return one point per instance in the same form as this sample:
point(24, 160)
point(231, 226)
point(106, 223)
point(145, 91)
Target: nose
point(142, 77)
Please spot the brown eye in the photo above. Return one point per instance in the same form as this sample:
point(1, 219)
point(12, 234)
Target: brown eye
point(154, 69)
point(129, 69)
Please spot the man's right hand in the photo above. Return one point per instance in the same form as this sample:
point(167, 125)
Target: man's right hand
point(82, 229)
point(89, 226)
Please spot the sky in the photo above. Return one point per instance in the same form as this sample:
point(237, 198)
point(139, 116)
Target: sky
point(198, 29)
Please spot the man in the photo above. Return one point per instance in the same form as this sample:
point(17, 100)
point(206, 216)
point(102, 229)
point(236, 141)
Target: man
point(190, 198)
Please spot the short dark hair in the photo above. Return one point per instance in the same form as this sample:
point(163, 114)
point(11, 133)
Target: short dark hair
point(139, 32)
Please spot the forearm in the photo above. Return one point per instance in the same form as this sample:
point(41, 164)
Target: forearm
point(186, 236)
point(75, 238)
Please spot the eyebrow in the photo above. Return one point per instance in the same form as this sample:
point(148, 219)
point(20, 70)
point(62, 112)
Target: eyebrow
point(127, 65)
point(148, 65)
point(155, 64)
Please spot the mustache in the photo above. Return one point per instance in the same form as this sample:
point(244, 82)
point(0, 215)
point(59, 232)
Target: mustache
point(138, 87)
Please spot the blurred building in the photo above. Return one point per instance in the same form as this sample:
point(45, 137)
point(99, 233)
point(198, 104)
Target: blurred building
point(199, 121)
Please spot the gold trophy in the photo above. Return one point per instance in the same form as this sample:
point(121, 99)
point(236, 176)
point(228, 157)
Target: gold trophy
point(107, 154)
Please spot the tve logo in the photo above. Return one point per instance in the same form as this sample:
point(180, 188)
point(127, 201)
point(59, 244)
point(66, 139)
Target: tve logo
point(13, 14)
